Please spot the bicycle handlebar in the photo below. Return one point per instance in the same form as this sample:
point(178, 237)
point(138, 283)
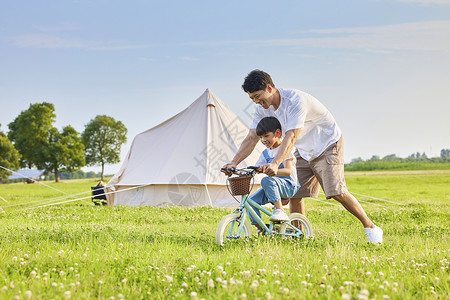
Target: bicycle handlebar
point(250, 170)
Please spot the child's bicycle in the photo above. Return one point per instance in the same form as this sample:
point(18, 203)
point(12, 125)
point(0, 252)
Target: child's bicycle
point(236, 225)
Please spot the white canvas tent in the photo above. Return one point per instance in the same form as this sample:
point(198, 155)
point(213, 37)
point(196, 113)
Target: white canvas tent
point(178, 162)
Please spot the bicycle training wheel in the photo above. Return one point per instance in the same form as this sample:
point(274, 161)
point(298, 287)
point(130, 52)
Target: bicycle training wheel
point(299, 221)
point(228, 229)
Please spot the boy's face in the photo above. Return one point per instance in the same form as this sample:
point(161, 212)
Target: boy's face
point(270, 139)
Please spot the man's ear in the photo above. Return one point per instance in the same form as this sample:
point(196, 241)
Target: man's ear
point(269, 88)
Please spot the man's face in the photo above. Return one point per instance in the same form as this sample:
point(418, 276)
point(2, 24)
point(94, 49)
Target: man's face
point(262, 97)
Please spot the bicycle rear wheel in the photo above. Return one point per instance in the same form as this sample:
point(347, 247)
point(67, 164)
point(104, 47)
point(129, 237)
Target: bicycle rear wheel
point(230, 228)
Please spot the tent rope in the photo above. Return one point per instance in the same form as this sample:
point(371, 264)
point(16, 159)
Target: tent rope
point(325, 202)
point(376, 204)
point(32, 179)
point(47, 200)
point(72, 200)
point(41, 183)
point(372, 198)
point(379, 199)
point(3, 199)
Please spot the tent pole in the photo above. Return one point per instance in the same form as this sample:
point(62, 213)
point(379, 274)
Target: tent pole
point(209, 197)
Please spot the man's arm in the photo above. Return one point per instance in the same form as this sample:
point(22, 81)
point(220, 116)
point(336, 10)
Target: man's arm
point(285, 149)
point(245, 149)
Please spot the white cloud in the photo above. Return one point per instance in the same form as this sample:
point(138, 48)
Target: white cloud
point(147, 59)
point(62, 27)
point(45, 41)
point(432, 36)
point(188, 58)
point(418, 36)
point(57, 42)
point(427, 2)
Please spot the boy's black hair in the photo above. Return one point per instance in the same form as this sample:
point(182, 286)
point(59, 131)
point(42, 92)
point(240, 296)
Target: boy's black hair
point(256, 80)
point(267, 124)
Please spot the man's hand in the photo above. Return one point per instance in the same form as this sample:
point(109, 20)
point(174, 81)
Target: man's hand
point(269, 169)
point(228, 166)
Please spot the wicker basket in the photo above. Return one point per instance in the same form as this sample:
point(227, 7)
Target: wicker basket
point(240, 185)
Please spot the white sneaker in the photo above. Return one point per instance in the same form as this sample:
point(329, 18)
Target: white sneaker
point(374, 235)
point(278, 216)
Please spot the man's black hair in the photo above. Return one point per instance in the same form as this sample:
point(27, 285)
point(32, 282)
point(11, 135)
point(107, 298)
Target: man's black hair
point(256, 80)
point(267, 124)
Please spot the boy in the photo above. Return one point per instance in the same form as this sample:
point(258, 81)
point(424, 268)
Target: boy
point(283, 185)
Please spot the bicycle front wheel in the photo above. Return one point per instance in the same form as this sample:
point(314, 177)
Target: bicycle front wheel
point(230, 228)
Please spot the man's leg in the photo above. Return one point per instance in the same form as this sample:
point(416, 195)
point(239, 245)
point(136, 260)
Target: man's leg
point(329, 170)
point(297, 205)
point(354, 207)
point(309, 186)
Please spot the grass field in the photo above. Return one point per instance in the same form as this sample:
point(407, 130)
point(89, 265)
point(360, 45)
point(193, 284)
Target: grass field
point(80, 251)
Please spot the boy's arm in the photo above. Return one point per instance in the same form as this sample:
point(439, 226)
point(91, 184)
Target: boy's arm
point(286, 147)
point(287, 170)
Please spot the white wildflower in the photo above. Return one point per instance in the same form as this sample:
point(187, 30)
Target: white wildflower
point(28, 294)
point(194, 296)
point(211, 283)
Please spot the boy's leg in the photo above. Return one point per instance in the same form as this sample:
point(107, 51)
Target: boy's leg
point(260, 198)
point(275, 188)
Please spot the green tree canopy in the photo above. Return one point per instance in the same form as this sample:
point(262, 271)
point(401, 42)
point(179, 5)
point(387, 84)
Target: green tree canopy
point(103, 137)
point(445, 153)
point(9, 156)
point(30, 131)
point(64, 151)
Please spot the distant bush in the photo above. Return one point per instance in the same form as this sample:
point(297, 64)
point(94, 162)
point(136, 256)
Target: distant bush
point(64, 175)
point(77, 175)
point(392, 162)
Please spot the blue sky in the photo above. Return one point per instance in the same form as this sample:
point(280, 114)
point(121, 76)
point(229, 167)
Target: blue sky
point(380, 66)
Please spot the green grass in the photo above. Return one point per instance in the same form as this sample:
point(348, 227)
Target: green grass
point(84, 252)
point(403, 164)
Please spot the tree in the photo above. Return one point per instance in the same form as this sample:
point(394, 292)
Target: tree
point(390, 157)
point(374, 158)
point(30, 131)
point(445, 153)
point(357, 160)
point(103, 138)
point(9, 156)
point(63, 151)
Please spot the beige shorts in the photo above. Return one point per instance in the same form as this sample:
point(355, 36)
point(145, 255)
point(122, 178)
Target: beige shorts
point(326, 170)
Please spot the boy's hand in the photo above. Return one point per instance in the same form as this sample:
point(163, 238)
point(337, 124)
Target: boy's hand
point(269, 169)
point(259, 170)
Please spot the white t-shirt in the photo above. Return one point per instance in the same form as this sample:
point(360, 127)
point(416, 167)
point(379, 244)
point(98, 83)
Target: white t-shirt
point(298, 109)
point(271, 154)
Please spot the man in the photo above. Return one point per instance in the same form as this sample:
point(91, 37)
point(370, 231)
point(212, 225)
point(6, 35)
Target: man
point(310, 128)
